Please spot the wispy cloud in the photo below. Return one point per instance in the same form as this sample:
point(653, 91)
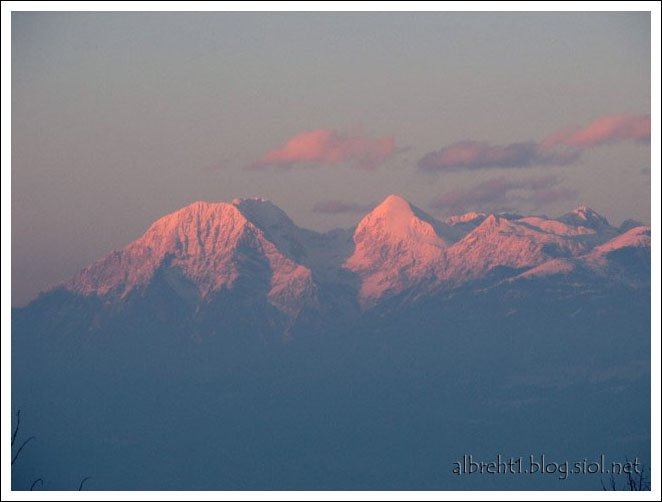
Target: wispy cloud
point(562, 148)
point(604, 130)
point(338, 207)
point(326, 146)
point(503, 194)
point(481, 155)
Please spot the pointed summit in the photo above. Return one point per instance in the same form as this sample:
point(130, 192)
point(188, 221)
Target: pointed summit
point(397, 220)
point(206, 250)
point(209, 248)
point(394, 205)
point(394, 216)
point(586, 213)
point(584, 216)
point(402, 220)
point(396, 246)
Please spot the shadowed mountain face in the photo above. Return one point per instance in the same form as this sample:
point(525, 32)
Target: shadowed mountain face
point(228, 348)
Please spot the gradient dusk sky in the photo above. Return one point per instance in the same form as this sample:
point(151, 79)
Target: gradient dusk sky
point(120, 118)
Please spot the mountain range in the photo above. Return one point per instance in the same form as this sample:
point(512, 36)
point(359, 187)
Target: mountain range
point(228, 348)
point(248, 254)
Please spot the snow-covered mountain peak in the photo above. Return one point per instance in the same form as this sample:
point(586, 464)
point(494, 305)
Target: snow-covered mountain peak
point(251, 247)
point(396, 246)
point(205, 246)
point(399, 220)
point(584, 211)
point(586, 217)
point(189, 218)
point(393, 205)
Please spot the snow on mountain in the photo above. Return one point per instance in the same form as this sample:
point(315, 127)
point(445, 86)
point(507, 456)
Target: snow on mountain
point(585, 217)
point(470, 217)
point(638, 237)
point(555, 227)
point(600, 259)
point(515, 244)
point(276, 225)
point(212, 245)
point(465, 223)
point(629, 224)
point(555, 266)
point(322, 253)
point(396, 247)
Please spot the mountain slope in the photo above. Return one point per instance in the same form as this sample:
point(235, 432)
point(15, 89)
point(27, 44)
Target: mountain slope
point(586, 217)
point(512, 244)
point(218, 261)
point(622, 260)
point(477, 328)
point(210, 246)
point(397, 247)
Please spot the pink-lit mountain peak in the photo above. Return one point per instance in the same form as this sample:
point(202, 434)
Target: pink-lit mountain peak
point(394, 205)
point(393, 210)
point(194, 227)
point(586, 213)
point(396, 249)
point(395, 218)
point(598, 258)
point(586, 217)
point(209, 246)
point(397, 246)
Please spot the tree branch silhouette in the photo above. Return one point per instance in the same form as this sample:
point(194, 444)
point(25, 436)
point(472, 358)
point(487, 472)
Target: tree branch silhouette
point(23, 445)
point(18, 424)
point(34, 483)
point(18, 452)
point(636, 482)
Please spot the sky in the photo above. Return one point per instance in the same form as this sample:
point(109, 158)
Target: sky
point(120, 118)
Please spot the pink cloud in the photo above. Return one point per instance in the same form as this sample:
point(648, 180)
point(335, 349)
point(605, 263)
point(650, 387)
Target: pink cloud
point(604, 130)
point(562, 148)
point(325, 146)
point(482, 155)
